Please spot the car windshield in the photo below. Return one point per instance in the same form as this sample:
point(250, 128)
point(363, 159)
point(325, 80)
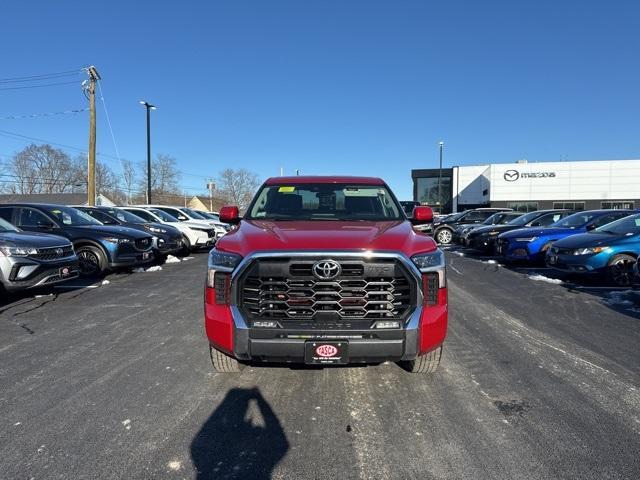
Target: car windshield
point(576, 220)
point(194, 214)
point(454, 216)
point(162, 215)
point(72, 216)
point(6, 226)
point(124, 216)
point(493, 219)
point(325, 201)
point(624, 226)
point(524, 219)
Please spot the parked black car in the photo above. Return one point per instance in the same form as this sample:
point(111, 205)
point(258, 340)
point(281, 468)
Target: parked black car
point(484, 238)
point(460, 235)
point(443, 228)
point(99, 247)
point(166, 239)
point(34, 259)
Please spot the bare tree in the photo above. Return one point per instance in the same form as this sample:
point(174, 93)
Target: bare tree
point(41, 169)
point(164, 176)
point(237, 186)
point(129, 178)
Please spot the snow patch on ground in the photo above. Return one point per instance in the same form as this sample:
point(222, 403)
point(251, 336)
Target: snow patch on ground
point(155, 268)
point(48, 295)
point(492, 262)
point(127, 423)
point(172, 259)
point(105, 282)
point(174, 465)
point(542, 278)
point(187, 258)
point(460, 254)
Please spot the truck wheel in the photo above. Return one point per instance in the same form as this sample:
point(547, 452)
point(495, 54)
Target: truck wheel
point(444, 236)
point(223, 363)
point(92, 260)
point(620, 270)
point(427, 363)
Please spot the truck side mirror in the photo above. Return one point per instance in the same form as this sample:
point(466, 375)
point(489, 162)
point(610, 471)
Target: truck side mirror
point(230, 214)
point(422, 215)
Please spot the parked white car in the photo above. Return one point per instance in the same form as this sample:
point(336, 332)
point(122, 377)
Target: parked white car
point(192, 217)
point(194, 236)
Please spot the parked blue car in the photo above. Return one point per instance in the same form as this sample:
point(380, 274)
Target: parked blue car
point(611, 250)
point(531, 244)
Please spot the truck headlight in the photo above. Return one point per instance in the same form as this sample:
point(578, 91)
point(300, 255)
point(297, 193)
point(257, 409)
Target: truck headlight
point(220, 266)
point(18, 251)
point(434, 274)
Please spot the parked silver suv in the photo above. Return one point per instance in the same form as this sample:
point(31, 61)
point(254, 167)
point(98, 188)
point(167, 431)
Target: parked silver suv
point(34, 259)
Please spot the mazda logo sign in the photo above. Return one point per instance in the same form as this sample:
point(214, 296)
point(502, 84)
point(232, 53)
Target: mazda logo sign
point(326, 269)
point(511, 175)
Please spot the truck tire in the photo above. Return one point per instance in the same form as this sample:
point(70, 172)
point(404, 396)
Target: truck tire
point(224, 363)
point(427, 363)
point(620, 270)
point(444, 236)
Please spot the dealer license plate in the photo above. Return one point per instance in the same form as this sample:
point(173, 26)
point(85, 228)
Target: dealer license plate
point(326, 353)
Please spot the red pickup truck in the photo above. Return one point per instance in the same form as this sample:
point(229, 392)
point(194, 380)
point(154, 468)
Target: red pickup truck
point(325, 270)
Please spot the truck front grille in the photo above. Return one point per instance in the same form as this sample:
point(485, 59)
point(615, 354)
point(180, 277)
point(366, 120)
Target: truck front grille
point(286, 290)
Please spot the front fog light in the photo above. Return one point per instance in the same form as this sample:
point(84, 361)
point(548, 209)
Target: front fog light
point(387, 324)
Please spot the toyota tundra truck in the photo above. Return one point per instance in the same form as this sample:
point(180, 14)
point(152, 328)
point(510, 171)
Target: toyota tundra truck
point(325, 271)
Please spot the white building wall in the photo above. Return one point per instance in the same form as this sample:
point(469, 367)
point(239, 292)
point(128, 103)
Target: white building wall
point(596, 180)
point(470, 184)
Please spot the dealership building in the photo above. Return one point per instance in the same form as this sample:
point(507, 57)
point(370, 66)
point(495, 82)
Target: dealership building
point(526, 186)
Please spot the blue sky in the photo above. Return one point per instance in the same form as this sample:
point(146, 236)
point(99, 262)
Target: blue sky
point(347, 87)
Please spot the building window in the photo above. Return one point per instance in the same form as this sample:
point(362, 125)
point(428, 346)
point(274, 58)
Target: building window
point(579, 206)
point(624, 204)
point(523, 206)
point(427, 191)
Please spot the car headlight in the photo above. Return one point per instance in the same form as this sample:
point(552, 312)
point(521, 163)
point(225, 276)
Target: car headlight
point(589, 250)
point(18, 251)
point(156, 229)
point(117, 240)
point(493, 233)
point(526, 239)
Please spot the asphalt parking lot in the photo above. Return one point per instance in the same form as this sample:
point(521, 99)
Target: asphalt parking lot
point(538, 380)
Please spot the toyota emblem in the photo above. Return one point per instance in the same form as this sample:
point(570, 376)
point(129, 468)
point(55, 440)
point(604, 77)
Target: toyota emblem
point(326, 269)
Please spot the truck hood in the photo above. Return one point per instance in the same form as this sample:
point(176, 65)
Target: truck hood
point(592, 239)
point(261, 235)
point(542, 232)
point(32, 239)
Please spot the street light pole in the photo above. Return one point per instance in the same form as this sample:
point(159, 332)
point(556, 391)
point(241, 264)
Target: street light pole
point(149, 107)
point(440, 176)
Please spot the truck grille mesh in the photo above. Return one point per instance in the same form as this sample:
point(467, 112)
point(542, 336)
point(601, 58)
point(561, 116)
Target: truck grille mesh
point(286, 289)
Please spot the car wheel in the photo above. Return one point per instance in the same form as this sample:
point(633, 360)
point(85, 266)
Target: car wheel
point(620, 270)
point(92, 260)
point(224, 363)
point(427, 363)
point(444, 236)
point(186, 246)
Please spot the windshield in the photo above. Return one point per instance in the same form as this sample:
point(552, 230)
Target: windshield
point(71, 216)
point(324, 201)
point(194, 214)
point(209, 215)
point(454, 216)
point(493, 219)
point(524, 219)
point(624, 226)
point(124, 216)
point(164, 216)
point(576, 220)
point(6, 226)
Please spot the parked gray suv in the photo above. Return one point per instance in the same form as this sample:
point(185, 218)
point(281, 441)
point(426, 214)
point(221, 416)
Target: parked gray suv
point(34, 259)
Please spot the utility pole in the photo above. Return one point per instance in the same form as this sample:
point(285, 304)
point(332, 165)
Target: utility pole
point(440, 178)
point(211, 186)
point(94, 76)
point(149, 107)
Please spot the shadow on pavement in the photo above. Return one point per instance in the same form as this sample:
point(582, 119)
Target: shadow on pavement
point(242, 438)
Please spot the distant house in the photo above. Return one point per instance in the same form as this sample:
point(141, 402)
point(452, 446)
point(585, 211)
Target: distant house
point(199, 202)
point(55, 198)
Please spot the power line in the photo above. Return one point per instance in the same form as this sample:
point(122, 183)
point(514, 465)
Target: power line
point(44, 76)
point(48, 114)
point(39, 86)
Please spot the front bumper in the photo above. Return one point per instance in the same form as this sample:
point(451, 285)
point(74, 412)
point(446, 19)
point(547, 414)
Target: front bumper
point(39, 273)
point(132, 259)
point(485, 243)
point(577, 263)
